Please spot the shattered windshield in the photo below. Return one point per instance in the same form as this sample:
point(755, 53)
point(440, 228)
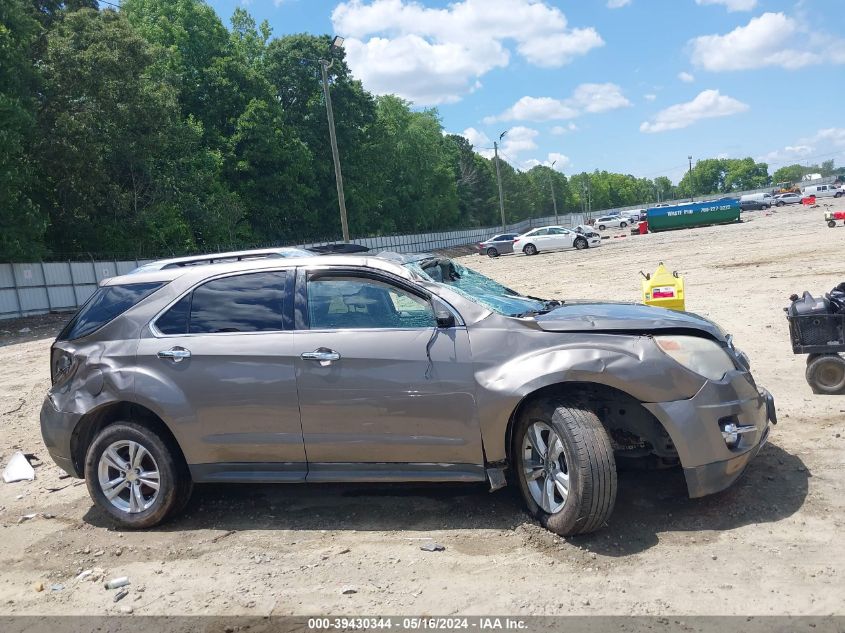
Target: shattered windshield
point(476, 287)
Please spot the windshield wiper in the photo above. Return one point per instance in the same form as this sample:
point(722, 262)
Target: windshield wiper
point(548, 306)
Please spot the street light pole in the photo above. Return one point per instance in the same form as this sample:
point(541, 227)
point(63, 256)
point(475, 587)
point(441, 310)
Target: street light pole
point(337, 42)
point(692, 193)
point(552, 187)
point(499, 179)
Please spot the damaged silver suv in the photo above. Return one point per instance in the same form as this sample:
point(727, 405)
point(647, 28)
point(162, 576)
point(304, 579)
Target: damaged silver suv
point(389, 368)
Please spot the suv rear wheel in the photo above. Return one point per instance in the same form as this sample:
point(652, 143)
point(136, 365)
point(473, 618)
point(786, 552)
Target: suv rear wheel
point(564, 463)
point(135, 477)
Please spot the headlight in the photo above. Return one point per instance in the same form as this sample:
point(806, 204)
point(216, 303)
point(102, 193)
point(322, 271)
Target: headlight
point(700, 355)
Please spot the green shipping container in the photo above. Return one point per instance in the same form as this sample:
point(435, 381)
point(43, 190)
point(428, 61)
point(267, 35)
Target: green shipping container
point(687, 216)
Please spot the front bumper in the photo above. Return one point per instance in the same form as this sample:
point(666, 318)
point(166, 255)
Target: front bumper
point(694, 427)
point(56, 430)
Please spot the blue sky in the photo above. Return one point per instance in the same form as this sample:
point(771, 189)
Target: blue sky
point(634, 88)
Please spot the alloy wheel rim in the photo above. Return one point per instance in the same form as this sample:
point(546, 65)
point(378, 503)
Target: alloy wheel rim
point(544, 467)
point(128, 476)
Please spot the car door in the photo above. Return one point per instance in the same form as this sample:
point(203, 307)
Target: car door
point(383, 392)
point(539, 238)
point(221, 360)
point(560, 238)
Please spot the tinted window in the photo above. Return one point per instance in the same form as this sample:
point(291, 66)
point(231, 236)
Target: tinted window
point(104, 305)
point(175, 320)
point(352, 302)
point(241, 303)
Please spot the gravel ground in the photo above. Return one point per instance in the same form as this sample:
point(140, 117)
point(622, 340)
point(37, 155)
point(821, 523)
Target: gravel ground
point(772, 544)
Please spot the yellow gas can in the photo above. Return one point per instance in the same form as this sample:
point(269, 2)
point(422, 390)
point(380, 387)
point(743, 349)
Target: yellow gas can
point(663, 289)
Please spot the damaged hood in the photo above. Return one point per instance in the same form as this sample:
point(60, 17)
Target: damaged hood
point(594, 317)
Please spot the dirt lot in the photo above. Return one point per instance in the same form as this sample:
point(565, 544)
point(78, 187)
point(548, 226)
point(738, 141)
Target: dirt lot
point(770, 545)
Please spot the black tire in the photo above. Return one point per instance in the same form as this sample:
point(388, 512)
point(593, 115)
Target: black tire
point(492, 252)
point(623, 225)
point(530, 249)
point(589, 462)
point(831, 224)
point(175, 483)
point(826, 374)
point(581, 243)
point(602, 227)
point(838, 195)
point(779, 204)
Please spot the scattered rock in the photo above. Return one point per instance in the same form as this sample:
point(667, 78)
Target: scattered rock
point(714, 557)
point(39, 586)
point(57, 587)
point(432, 547)
point(27, 517)
point(84, 574)
point(99, 552)
point(348, 591)
point(120, 595)
point(127, 609)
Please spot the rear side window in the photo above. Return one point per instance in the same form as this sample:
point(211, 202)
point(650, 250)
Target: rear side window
point(105, 304)
point(241, 303)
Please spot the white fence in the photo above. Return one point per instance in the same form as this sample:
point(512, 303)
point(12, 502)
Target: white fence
point(41, 287)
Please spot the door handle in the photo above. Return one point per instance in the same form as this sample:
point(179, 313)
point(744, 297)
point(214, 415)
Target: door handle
point(176, 354)
point(322, 354)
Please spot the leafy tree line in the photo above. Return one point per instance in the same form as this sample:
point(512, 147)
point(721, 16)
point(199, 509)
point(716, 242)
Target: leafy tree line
point(157, 130)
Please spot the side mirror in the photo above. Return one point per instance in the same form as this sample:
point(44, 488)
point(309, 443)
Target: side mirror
point(445, 319)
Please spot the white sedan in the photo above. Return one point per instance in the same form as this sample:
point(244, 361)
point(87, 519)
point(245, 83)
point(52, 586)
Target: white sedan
point(553, 238)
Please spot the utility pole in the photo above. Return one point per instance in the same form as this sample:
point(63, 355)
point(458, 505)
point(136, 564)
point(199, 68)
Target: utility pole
point(692, 192)
point(552, 187)
point(337, 42)
point(499, 179)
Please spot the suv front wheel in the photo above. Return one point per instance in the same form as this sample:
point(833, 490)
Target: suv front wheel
point(564, 463)
point(135, 476)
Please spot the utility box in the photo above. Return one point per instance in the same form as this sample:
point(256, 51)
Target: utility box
point(663, 289)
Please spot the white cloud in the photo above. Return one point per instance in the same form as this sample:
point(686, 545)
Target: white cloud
point(436, 55)
point(560, 161)
point(766, 41)
point(789, 154)
point(686, 77)
point(519, 139)
point(617, 4)
point(592, 98)
point(650, 97)
point(708, 104)
point(822, 145)
point(732, 5)
point(477, 138)
point(832, 135)
point(561, 129)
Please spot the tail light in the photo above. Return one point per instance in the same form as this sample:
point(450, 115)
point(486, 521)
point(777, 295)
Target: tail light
point(515, 240)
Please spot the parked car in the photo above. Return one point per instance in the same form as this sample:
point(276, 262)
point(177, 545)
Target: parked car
point(765, 199)
point(611, 222)
point(219, 258)
point(823, 191)
point(787, 198)
point(349, 368)
point(753, 205)
point(553, 238)
point(498, 245)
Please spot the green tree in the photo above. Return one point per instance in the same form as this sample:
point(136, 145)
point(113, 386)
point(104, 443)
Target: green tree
point(22, 222)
